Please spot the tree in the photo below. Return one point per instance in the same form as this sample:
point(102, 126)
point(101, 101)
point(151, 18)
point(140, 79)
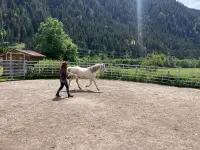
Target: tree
point(2, 36)
point(52, 41)
point(168, 26)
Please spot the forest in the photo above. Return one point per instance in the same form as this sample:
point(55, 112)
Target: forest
point(107, 26)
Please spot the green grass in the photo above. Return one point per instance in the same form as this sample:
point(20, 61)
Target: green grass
point(15, 45)
point(3, 80)
point(185, 72)
point(1, 71)
point(18, 46)
point(167, 76)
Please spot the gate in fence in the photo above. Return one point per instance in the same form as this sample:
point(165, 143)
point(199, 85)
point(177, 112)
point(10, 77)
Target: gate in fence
point(11, 69)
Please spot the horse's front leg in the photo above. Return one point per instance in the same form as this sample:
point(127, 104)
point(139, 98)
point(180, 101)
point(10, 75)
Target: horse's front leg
point(90, 83)
point(78, 83)
point(95, 84)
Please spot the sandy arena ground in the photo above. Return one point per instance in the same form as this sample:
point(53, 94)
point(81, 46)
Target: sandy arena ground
point(125, 116)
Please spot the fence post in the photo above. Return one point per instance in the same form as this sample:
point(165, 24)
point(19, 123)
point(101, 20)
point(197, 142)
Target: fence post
point(11, 71)
point(162, 74)
point(192, 76)
point(123, 72)
point(168, 75)
point(179, 69)
point(52, 67)
point(39, 67)
point(24, 68)
point(136, 72)
point(111, 70)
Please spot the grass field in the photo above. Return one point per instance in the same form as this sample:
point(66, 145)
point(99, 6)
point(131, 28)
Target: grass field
point(183, 77)
point(182, 72)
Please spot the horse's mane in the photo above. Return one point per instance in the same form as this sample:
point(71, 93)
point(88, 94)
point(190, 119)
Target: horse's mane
point(94, 68)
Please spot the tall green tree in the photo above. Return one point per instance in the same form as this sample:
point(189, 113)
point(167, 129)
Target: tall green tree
point(52, 41)
point(2, 36)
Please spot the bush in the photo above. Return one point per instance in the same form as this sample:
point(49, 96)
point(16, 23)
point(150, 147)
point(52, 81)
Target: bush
point(5, 49)
point(44, 68)
point(158, 60)
point(96, 59)
point(187, 63)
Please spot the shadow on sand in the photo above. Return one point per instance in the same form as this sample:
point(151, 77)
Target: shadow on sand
point(58, 98)
point(83, 91)
point(75, 91)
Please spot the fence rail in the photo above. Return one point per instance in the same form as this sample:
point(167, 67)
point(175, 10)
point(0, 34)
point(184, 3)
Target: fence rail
point(189, 77)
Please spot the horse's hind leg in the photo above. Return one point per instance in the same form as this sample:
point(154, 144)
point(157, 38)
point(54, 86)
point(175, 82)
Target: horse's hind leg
point(95, 84)
point(71, 77)
point(70, 80)
point(78, 83)
point(90, 83)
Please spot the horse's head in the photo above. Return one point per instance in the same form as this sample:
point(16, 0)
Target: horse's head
point(103, 67)
point(97, 67)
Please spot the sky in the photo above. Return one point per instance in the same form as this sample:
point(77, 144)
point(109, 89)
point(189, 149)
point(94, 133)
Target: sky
point(191, 3)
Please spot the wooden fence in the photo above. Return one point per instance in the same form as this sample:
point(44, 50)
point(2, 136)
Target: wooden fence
point(189, 77)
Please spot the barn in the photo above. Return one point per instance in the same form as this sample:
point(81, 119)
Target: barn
point(14, 61)
point(17, 54)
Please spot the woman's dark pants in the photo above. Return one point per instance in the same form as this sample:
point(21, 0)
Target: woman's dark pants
point(62, 84)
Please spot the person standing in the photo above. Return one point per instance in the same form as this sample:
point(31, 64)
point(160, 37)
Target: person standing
point(63, 80)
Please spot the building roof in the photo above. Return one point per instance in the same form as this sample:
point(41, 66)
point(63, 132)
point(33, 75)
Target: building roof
point(32, 53)
point(27, 52)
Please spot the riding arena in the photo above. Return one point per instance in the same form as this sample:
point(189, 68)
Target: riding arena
point(109, 114)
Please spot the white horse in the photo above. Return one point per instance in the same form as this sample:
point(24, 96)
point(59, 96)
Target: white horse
point(77, 72)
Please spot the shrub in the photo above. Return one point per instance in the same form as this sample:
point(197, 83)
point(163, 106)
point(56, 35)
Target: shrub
point(44, 68)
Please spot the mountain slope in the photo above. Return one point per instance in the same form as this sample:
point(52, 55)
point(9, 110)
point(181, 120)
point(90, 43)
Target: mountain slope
point(110, 25)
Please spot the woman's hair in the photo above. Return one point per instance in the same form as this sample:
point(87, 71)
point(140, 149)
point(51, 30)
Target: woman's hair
point(63, 66)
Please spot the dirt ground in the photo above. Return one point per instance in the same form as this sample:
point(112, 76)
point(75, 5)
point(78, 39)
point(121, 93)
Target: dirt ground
point(125, 116)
